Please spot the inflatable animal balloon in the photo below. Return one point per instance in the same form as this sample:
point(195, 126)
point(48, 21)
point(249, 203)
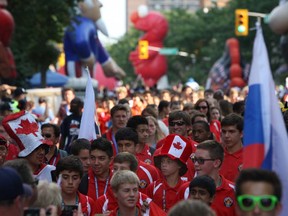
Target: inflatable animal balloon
point(228, 71)
point(82, 46)
point(155, 27)
point(7, 64)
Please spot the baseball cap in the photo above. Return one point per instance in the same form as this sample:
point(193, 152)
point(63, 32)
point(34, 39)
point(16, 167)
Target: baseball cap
point(11, 185)
point(18, 91)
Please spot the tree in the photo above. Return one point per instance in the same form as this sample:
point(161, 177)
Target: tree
point(39, 27)
point(204, 35)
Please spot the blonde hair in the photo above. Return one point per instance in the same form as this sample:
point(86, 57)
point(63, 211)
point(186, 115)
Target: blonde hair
point(48, 194)
point(159, 133)
point(122, 177)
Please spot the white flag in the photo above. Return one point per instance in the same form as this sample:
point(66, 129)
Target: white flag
point(87, 126)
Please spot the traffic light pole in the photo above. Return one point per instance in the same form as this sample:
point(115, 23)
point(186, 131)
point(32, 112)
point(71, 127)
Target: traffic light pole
point(259, 16)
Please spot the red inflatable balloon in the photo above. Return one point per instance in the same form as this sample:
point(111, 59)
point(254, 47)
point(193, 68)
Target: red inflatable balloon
point(237, 82)
point(235, 71)
point(7, 64)
point(155, 27)
point(6, 26)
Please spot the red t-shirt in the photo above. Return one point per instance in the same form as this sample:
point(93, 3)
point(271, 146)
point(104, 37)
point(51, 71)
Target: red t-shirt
point(108, 202)
point(87, 205)
point(224, 201)
point(232, 164)
point(162, 194)
point(215, 128)
point(146, 174)
point(183, 192)
point(97, 187)
point(145, 155)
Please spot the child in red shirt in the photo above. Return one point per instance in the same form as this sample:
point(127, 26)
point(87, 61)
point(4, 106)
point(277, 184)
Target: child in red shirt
point(69, 172)
point(172, 162)
point(140, 125)
point(127, 139)
point(125, 184)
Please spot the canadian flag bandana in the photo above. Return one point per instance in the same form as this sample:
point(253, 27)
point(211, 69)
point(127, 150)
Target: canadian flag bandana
point(23, 128)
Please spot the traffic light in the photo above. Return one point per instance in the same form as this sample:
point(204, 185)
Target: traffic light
point(143, 46)
point(241, 22)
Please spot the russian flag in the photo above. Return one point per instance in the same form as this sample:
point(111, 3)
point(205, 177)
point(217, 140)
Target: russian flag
point(87, 127)
point(265, 135)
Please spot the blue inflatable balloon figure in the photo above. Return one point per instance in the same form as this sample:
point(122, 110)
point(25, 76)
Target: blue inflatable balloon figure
point(82, 46)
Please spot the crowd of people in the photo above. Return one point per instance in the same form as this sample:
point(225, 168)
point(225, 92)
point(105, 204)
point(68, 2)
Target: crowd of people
point(168, 152)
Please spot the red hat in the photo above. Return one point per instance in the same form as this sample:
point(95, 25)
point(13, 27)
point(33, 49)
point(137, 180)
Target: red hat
point(23, 128)
point(175, 147)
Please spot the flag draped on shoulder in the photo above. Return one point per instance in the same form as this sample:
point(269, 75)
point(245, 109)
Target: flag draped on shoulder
point(265, 135)
point(87, 126)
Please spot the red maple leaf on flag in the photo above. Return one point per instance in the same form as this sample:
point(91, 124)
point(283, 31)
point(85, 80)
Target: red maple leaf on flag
point(27, 127)
point(177, 145)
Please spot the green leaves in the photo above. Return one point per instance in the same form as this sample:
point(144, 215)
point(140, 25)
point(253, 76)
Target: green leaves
point(203, 34)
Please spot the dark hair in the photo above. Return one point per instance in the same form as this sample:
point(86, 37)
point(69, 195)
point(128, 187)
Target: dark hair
point(197, 114)
point(226, 107)
point(205, 182)
point(214, 148)
point(208, 106)
point(123, 101)
point(163, 104)
point(204, 124)
point(123, 157)
point(127, 133)
point(259, 175)
point(151, 111)
point(209, 91)
point(118, 107)
point(233, 119)
point(77, 101)
point(136, 120)
point(78, 145)
point(70, 163)
point(102, 144)
point(218, 95)
point(188, 106)
point(55, 127)
point(179, 114)
point(23, 168)
point(239, 107)
point(42, 100)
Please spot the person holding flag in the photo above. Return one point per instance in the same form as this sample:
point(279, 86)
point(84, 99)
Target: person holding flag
point(265, 136)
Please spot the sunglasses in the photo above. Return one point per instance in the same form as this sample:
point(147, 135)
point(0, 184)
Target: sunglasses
point(47, 135)
point(201, 107)
point(179, 123)
point(248, 202)
point(201, 160)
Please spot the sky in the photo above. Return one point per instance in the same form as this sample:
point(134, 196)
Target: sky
point(114, 15)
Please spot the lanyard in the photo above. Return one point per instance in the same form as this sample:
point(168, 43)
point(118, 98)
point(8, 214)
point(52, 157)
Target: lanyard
point(76, 202)
point(164, 200)
point(54, 161)
point(96, 186)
